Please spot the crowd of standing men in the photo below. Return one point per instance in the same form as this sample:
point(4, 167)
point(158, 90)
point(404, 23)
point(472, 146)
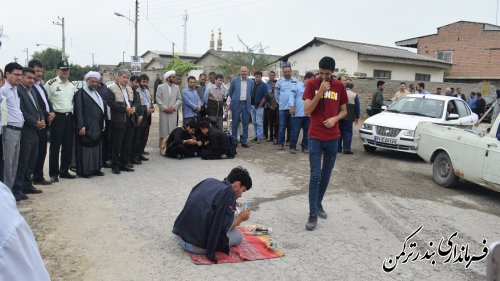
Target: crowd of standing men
point(95, 127)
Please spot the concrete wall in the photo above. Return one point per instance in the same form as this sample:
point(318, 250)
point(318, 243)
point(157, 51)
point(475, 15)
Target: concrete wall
point(209, 63)
point(307, 60)
point(366, 87)
point(401, 71)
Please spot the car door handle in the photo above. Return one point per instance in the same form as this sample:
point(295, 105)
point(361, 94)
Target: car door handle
point(492, 145)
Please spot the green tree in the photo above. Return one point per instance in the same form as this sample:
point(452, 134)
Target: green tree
point(181, 67)
point(49, 58)
point(77, 72)
point(232, 63)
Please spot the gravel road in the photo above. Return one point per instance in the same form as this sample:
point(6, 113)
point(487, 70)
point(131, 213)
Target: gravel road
point(118, 227)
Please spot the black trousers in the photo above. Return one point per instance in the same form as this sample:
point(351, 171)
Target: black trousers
point(28, 153)
point(210, 154)
point(106, 142)
point(273, 125)
point(122, 137)
point(136, 142)
point(42, 153)
point(61, 135)
point(144, 136)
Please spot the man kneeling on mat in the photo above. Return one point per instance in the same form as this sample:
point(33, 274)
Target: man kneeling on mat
point(207, 222)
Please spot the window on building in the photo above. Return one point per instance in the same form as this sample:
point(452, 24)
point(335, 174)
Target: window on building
point(382, 74)
point(445, 55)
point(422, 77)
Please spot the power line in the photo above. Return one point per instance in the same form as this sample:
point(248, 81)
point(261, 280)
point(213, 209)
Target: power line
point(191, 8)
point(156, 29)
point(229, 7)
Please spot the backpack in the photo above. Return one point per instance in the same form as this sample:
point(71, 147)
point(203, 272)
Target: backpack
point(231, 151)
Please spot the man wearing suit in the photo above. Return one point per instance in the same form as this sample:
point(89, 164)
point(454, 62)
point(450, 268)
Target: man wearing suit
point(120, 100)
point(169, 101)
point(239, 91)
point(34, 120)
point(48, 113)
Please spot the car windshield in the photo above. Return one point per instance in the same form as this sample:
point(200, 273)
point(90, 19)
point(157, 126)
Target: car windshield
point(418, 106)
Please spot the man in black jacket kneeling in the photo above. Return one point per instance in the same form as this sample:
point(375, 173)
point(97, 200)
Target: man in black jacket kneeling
point(207, 223)
point(215, 143)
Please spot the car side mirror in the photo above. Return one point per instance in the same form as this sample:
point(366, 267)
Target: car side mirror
point(383, 107)
point(452, 116)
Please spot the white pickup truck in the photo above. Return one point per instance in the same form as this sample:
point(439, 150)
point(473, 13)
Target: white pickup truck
point(461, 153)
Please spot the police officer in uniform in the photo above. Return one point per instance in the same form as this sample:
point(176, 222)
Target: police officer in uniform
point(61, 91)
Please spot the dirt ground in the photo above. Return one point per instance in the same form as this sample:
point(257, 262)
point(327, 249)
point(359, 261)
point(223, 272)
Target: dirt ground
point(118, 227)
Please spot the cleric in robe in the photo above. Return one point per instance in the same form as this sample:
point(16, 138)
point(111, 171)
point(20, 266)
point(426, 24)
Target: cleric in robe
point(89, 111)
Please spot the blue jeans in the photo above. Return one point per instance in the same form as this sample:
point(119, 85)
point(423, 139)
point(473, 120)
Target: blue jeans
point(257, 115)
point(297, 124)
point(284, 119)
point(345, 140)
point(242, 114)
point(234, 235)
point(320, 175)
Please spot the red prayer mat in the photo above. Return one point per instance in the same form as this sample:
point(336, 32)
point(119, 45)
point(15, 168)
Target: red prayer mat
point(251, 248)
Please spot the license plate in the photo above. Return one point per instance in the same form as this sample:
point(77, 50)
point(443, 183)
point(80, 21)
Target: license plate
point(385, 140)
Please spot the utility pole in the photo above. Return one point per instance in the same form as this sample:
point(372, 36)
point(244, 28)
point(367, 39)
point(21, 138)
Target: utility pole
point(93, 59)
point(27, 56)
point(173, 50)
point(123, 59)
point(185, 18)
point(60, 21)
point(136, 25)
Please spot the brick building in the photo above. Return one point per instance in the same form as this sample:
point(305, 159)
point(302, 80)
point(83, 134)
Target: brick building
point(472, 47)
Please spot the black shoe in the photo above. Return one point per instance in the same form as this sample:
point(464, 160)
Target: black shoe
point(130, 166)
point(136, 161)
point(179, 156)
point(21, 197)
point(42, 182)
point(145, 153)
point(142, 158)
point(245, 145)
point(311, 222)
point(67, 176)
point(33, 191)
point(99, 173)
point(254, 139)
point(126, 169)
point(54, 179)
point(106, 165)
point(348, 152)
point(321, 212)
point(115, 170)
point(73, 169)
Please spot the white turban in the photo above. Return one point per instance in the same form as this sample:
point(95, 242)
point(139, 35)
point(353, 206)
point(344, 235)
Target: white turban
point(168, 74)
point(92, 74)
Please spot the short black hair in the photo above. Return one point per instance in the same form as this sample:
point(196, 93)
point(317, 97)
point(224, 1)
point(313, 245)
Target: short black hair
point(459, 88)
point(135, 78)
point(439, 88)
point(421, 85)
point(205, 125)
point(453, 89)
point(202, 74)
point(211, 73)
point(478, 94)
point(219, 76)
point(191, 78)
point(34, 63)
point(349, 86)
point(144, 77)
point(192, 124)
point(309, 75)
point(272, 71)
point(28, 70)
point(402, 83)
point(10, 67)
point(380, 83)
point(242, 175)
point(327, 63)
point(258, 73)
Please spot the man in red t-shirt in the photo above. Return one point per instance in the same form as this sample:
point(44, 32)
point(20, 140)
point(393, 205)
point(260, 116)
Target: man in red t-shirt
point(325, 100)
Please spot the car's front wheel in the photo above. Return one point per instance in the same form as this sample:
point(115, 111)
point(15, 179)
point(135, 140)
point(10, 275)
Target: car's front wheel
point(369, 148)
point(442, 170)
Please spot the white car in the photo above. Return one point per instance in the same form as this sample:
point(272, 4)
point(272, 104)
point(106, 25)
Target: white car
point(461, 153)
point(394, 128)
